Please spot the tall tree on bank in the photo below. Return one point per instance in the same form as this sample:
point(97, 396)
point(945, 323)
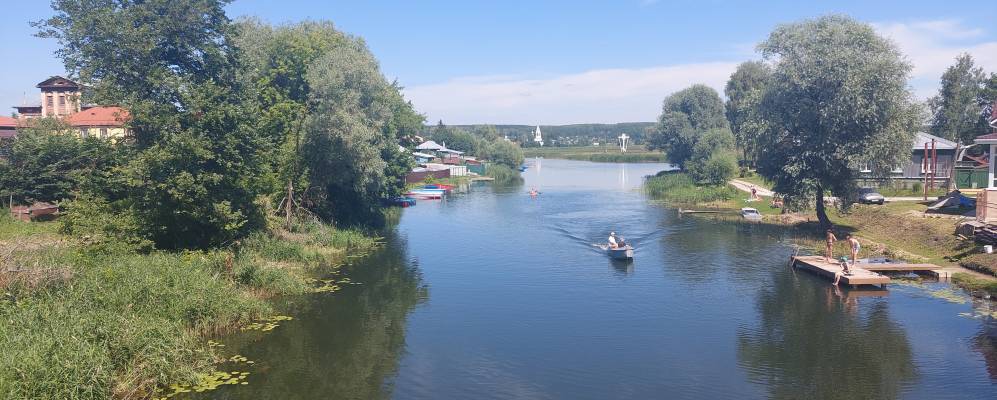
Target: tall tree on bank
point(744, 92)
point(956, 111)
point(346, 146)
point(685, 116)
point(838, 97)
point(172, 65)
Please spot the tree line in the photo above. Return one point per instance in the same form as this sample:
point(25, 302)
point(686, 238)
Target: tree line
point(232, 122)
point(830, 94)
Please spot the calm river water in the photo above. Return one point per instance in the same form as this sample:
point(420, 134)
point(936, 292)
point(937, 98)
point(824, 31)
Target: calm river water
point(494, 295)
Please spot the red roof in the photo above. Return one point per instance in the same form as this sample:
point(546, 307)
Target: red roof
point(99, 116)
point(8, 122)
point(991, 136)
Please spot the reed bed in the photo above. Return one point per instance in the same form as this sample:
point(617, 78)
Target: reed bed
point(679, 188)
point(78, 324)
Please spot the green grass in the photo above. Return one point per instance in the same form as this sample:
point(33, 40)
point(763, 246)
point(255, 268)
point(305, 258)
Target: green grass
point(11, 228)
point(902, 229)
point(596, 154)
point(79, 324)
point(756, 180)
point(973, 283)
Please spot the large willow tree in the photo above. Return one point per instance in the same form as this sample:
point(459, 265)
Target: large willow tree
point(838, 97)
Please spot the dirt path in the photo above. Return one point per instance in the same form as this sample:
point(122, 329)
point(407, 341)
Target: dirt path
point(746, 187)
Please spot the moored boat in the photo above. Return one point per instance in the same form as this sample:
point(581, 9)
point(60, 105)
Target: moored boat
point(438, 186)
point(426, 193)
point(751, 214)
point(403, 201)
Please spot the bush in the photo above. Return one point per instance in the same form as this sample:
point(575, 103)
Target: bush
point(504, 153)
point(50, 166)
point(716, 170)
point(503, 174)
point(103, 227)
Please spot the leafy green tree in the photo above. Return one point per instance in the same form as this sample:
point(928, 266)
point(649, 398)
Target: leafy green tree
point(988, 97)
point(713, 160)
point(838, 97)
point(346, 144)
point(146, 55)
point(457, 139)
point(171, 63)
point(956, 112)
point(487, 133)
point(686, 115)
point(51, 166)
point(744, 92)
point(504, 153)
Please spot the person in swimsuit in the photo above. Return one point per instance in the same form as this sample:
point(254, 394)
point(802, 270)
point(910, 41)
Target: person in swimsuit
point(855, 246)
point(829, 250)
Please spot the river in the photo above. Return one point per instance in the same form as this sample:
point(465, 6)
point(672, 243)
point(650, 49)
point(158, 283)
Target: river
point(491, 294)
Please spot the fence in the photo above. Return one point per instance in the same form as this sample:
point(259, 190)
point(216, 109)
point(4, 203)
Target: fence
point(416, 177)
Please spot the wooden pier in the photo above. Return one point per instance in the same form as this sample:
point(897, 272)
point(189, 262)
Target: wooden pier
point(829, 270)
point(866, 273)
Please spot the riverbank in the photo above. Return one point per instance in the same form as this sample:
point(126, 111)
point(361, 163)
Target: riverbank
point(899, 230)
point(611, 154)
point(88, 323)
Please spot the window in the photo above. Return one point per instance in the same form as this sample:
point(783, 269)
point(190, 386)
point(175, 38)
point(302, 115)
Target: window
point(899, 169)
point(865, 167)
point(83, 133)
point(50, 102)
point(103, 133)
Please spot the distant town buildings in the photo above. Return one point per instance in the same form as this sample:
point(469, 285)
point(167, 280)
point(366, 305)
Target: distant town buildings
point(60, 98)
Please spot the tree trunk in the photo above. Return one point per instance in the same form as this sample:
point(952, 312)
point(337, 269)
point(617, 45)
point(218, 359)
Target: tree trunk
point(825, 222)
point(289, 204)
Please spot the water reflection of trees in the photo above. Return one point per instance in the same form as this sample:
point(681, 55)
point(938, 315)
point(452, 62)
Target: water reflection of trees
point(986, 343)
point(344, 346)
point(812, 343)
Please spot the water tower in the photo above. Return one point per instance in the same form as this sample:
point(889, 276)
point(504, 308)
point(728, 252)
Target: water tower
point(623, 142)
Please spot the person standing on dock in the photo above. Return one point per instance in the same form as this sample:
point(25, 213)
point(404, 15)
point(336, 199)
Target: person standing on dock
point(829, 251)
point(855, 246)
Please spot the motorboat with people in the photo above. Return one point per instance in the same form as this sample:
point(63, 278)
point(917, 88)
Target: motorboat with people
point(621, 253)
point(617, 248)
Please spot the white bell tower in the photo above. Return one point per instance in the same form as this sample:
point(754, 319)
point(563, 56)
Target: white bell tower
point(537, 137)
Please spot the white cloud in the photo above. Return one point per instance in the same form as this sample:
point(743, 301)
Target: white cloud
point(608, 95)
point(932, 46)
point(635, 94)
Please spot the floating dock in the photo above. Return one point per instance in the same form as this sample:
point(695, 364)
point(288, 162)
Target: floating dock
point(829, 270)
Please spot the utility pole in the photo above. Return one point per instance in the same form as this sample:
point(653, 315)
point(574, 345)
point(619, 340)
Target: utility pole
point(924, 167)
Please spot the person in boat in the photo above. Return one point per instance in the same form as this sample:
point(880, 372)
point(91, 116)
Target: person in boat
point(829, 249)
point(613, 244)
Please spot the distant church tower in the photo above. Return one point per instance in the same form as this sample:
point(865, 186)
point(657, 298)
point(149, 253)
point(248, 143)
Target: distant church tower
point(537, 137)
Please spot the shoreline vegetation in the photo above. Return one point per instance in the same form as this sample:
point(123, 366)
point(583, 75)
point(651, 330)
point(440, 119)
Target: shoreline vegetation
point(85, 322)
point(607, 153)
point(898, 230)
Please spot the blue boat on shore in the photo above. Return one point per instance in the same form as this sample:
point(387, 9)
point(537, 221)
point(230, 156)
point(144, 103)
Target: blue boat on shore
point(403, 201)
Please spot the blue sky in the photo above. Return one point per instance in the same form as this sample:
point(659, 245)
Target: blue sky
point(558, 62)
